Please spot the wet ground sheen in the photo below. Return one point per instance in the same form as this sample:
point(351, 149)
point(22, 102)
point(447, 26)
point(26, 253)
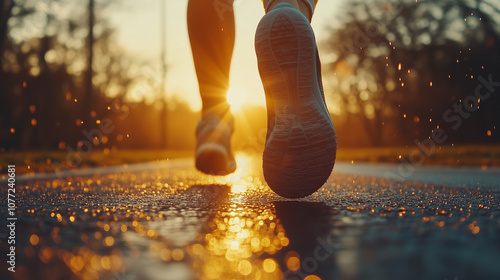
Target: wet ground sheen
point(172, 222)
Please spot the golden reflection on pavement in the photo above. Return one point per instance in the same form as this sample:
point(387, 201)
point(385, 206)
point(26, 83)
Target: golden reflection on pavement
point(242, 238)
point(142, 225)
point(242, 242)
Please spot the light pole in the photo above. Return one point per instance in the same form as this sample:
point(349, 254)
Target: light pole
point(163, 58)
point(88, 82)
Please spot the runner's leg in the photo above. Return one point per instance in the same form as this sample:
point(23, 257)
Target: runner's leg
point(212, 33)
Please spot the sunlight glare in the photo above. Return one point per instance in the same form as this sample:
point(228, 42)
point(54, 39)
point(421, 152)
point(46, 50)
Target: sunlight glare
point(236, 97)
point(243, 164)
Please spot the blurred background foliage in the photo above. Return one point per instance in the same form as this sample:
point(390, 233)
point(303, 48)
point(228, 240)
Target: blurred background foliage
point(394, 68)
point(390, 69)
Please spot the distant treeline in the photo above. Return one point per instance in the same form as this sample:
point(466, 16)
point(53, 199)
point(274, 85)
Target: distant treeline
point(394, 74)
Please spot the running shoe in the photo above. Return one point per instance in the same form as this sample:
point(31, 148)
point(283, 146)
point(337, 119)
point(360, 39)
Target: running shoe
point(213, 145)
point(301, 145)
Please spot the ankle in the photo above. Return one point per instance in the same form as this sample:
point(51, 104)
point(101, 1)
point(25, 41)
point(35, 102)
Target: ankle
point(221, 109)
point(297, 4)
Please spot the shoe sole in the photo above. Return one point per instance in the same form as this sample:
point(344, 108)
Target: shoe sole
point(301, 147)
point(213, 160)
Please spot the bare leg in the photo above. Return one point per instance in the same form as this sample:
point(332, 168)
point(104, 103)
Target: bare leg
point(211, 32)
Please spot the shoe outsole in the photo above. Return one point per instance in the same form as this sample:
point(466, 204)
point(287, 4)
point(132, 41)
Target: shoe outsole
point(301, 147)
point(213, 160)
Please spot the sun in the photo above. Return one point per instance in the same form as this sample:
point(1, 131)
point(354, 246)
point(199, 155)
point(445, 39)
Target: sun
point(236, 97)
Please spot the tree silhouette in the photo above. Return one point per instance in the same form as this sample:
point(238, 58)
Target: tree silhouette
point(42, 78)
point(397, 66)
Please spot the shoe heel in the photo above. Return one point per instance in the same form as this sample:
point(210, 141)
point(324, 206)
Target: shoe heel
point(297, 163)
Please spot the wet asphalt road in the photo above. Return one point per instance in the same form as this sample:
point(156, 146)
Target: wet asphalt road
point(167, 221)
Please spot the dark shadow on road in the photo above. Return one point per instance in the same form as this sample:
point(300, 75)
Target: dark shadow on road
point(210, 192)
point(307, 225)
point(209, 195)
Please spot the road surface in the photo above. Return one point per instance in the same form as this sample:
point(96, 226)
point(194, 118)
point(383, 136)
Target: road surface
point(165, 220)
